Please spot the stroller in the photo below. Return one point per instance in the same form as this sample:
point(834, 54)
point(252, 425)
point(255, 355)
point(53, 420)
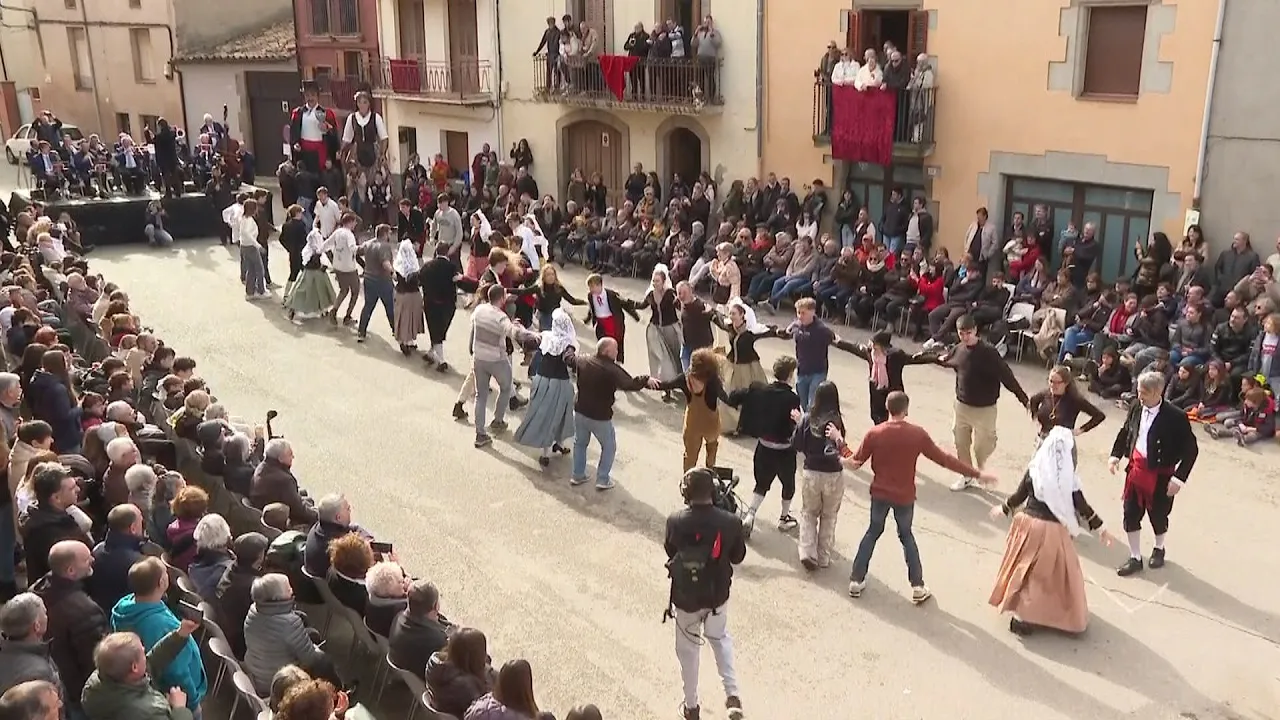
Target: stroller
point(727, 499)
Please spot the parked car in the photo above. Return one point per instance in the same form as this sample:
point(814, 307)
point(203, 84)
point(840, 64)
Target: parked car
point(23, 141)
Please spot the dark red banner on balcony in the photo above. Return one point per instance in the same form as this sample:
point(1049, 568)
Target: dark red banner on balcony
point(862, 124)
point(406, 76)
point(615, 69)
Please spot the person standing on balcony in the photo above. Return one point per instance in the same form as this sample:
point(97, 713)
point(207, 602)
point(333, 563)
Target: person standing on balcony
point(706, 46)
point(897, 75)
point(921, 93)
point(592, 80)
point(313, 129)
point(870, 76)
point(637, 46)
point(551, 43)
point(825, 76)
point(364, 138)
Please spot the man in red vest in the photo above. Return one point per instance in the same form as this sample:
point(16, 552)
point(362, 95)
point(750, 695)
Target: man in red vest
point(313, 130)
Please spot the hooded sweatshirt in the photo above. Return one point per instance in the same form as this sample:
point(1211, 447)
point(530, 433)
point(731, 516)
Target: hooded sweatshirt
point(151, 621)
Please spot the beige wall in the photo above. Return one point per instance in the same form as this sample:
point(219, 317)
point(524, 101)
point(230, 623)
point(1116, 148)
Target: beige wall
point(1008, 106)
point(729, 131)
point(117, 89)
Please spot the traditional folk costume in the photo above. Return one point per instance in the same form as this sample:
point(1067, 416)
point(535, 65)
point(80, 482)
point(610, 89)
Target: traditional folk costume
point(606, 314)
point(533, 243)
point(548, 422)
point(1161, 449)
point(313, 131)
point(1040, 581)
point(408, 305)
point(885, 368)
point(663, 334)
point(478, 258)
point(311, 295)
point(743, 361)
point(362, 133)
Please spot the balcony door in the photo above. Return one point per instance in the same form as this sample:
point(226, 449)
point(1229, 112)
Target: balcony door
point(687, 14)
point(464, 47)
point(412, 30)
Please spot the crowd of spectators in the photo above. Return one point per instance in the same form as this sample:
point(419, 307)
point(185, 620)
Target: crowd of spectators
point(151, 526)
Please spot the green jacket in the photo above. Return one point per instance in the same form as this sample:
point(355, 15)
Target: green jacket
point(106, 699)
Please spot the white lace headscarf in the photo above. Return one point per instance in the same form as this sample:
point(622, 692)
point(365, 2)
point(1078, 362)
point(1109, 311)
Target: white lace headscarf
point(1054, 478)
point(561, 336)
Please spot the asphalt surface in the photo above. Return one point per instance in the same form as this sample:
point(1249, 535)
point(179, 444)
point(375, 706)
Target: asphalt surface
point(573, 580)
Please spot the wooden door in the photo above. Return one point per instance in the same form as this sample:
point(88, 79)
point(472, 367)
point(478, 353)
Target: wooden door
point(457, 151)
point(917, 35)
point(595, 147)
point(270, 95)
point(464, 47)
point(412, 29)
point(596, 15)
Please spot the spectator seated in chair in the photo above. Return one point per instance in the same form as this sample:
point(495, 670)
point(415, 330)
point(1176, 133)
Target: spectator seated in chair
point(213, 555)
point(419, 631)
point(388, 595)
point(233, 596)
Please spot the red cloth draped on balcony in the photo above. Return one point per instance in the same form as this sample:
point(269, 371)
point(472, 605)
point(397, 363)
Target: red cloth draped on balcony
point(862, 124)
point(615, 69)
point(406, 77)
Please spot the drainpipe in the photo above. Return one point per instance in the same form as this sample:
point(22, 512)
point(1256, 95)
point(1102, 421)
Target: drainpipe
point(1208, 103)
point(93, 73)
point(497, 81)
point(760, 86)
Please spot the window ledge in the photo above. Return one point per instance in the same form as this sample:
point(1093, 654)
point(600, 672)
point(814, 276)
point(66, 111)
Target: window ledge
point(145, 82)
point(1107, 98)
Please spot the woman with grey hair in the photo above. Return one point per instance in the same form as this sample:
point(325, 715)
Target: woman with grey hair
point(388, 588)
point(141, 481)
point(240, 456)
point(213, 554)
point(275, 634)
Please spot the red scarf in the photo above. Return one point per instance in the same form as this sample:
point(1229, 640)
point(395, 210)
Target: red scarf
point(1119, 318)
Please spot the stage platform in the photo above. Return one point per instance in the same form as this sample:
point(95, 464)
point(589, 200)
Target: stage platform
point(120, 219)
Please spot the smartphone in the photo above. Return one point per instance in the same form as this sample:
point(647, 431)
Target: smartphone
point(189, 611)
point(382, 548)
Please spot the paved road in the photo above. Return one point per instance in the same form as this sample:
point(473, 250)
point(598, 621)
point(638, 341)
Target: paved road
point(573, 579)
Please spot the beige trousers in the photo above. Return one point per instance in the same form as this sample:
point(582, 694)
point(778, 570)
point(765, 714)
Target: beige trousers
point(820, 495)
point(974, 429)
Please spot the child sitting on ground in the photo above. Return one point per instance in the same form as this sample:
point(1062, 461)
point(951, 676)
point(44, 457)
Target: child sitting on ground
point(1159, 365)
point(1109, 378)
point(1215, 394)
point(1183, 390)
point(1257, 420)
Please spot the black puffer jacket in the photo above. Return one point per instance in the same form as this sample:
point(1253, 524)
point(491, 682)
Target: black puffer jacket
point(449, 689)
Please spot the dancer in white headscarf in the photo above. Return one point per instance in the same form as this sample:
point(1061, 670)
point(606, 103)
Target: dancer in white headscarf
point(663, 334)
point(478, 256)
point(410, 321)
point(742, 367)
point(549, 420)
point(1040, 581)
point(533, 242)
point(312, 294)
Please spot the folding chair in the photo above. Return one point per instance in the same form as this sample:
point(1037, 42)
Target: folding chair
point(331, 603)
point(226, 663)
point(245, 689)
point(415, 685)
point(1017, 311)
point(437, 714)
point(381, 650)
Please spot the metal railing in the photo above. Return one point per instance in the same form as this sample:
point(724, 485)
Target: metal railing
point(664, 83)
point(341, 92)
point(468, 79)
point(912, 123)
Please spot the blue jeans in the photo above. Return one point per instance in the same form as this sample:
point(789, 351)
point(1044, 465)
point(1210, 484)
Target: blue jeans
point(1072, 338)
point(762, 283)
point(847, 238)
point(584, 428)
point(895, 243)
point(1176, 357)
point(307, 216)
point(807, 386)
point(377, 290)
point(902, 515)
point(252, 271)
point(8, 543)
point(785, 287)
point(686, 357)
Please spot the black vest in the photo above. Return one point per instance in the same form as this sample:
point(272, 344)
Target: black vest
point(366, 140)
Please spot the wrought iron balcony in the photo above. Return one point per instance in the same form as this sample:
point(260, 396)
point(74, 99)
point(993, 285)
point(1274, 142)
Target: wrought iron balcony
point(679, 86)
point(340, 93)
point(462, 82)
point(913, 120)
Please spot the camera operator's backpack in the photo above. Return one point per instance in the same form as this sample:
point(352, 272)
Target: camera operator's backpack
point(692, 572)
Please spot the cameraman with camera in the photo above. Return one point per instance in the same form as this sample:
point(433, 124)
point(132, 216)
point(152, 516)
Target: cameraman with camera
point(703, 543)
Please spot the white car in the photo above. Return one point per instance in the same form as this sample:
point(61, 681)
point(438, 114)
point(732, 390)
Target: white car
point(23, 141)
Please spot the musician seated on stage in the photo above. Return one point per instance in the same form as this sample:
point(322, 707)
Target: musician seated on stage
point(203, 161)
point(132, 165)
point(48, 169)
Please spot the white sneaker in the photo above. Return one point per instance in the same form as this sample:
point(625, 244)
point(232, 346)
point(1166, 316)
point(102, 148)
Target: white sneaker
point(931, 344)
point(856, 588)
point(964, 483)
point(919, 594)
